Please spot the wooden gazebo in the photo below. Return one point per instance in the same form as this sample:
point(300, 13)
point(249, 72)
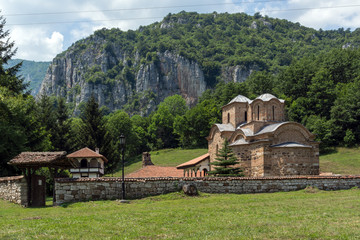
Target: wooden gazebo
point(29, 162)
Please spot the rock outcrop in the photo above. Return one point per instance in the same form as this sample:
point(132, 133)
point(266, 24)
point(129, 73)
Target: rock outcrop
point(170, 74)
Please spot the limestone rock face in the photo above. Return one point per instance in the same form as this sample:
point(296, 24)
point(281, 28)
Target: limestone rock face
point(72, 75)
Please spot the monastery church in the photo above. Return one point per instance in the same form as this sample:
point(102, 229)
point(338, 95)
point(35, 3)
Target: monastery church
point(263, 142)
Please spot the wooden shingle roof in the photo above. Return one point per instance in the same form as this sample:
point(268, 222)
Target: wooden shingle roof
point(40, 159)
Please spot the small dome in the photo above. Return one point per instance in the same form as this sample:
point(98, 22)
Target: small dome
point(267, 97)
point(240, 98)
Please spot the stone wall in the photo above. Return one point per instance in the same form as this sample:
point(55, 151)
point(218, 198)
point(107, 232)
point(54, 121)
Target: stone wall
point(14, 189)
point(72, 190)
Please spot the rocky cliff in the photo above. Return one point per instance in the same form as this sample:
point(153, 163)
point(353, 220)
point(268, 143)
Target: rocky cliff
point(68, 76)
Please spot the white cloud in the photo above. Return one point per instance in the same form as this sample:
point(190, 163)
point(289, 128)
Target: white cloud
point(36, 44)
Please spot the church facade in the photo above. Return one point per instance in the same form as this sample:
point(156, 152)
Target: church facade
point(264, 143)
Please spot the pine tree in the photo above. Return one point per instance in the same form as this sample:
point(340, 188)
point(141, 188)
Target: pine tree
point(224, 163)
point(8, 77)
point(60, 133)
point(93, 133)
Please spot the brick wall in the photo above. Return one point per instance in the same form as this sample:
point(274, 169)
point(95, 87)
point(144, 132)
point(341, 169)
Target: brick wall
point(72, 190)
point(14, 189)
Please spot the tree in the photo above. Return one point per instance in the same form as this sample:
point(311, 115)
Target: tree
point(8, 76)
point(93, 133)
point(225, 162)
point(161, 129)
point(19, 125)
point(118, 123)
point(61, 130)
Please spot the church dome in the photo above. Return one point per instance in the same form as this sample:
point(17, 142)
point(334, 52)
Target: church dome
point(267, 97)
point(240, 98)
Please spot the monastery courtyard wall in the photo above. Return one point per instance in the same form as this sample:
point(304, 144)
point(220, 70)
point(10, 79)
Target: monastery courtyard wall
point(83, 189)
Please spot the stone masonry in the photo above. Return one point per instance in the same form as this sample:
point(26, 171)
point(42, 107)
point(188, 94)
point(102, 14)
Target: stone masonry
point(83, 189)
point(264, 144)
point(14, 189)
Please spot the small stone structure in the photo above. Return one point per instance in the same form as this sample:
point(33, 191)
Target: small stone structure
point(146, 159)
point(14, 189)
point(82, 189)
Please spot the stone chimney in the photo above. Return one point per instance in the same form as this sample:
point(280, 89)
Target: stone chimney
point(97, 150)
point(146, 159)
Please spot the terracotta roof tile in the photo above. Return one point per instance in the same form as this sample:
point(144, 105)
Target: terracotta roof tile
point(86, 153)
point(193, 162)
point(156, 171)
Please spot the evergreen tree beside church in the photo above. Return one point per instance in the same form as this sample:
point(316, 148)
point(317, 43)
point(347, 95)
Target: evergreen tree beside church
point(224, 164)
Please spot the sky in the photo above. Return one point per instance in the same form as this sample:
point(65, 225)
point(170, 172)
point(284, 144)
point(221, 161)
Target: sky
point(43, 28)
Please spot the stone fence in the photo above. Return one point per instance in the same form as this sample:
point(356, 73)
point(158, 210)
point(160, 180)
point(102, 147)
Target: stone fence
point(14, 189)
point(82, 189)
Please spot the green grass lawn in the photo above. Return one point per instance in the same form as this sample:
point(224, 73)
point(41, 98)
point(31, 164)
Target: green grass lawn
point(164, 157)
point(343, 161)
point(288, 215)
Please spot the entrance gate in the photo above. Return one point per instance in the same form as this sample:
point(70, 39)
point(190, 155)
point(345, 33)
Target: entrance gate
point(38, 191)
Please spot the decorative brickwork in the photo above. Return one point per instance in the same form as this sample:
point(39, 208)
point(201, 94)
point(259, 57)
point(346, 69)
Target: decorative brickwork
point(14, 189)
point(73, 190)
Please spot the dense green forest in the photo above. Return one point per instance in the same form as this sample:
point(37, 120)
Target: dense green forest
point(321, 89)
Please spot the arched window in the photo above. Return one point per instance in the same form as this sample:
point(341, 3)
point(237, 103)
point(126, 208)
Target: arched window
point(83, 163)
point(217, 149)
point(245, 116)
point(258, 113)
point(228, 118)
point(273, 112)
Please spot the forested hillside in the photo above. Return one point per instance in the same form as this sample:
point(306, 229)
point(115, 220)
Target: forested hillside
point(33, 73)
point(185, 54)
point(163, 85)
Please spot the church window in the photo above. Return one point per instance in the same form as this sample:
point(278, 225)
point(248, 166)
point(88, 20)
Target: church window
point(258, 112)
point(228, 118)
point(245, 116)
point(273, 112)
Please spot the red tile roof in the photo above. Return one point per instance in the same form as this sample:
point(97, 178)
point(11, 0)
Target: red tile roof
point(86, 153)
point(193, 162)
point(156, 171)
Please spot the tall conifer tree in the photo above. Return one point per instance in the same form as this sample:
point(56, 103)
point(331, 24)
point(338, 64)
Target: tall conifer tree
point(225, 161)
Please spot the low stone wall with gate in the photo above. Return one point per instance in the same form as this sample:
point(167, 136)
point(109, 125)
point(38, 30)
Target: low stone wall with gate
point(14, 189)
point(73, 190)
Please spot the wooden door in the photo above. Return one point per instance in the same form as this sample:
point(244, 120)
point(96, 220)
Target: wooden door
point(38, 191)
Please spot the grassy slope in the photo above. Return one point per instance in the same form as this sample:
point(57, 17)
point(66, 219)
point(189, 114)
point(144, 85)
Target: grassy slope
point(164, 157)
point(287, 215)
point(343, 161)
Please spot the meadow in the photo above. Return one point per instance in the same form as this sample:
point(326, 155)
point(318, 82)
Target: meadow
point(305, 214)
point(344, 161)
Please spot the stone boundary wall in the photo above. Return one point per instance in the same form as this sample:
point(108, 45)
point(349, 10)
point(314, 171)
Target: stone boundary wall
point(82, 189)
point(14, 189)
